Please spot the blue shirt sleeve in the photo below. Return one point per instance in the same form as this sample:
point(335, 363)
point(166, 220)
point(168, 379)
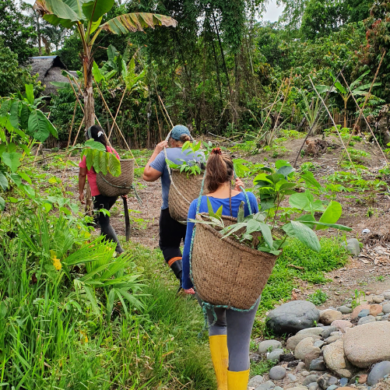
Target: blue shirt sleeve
point(186, 280)
point(159, 162)
point(253, 203)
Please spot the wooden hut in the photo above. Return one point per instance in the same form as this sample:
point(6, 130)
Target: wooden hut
point(49, 69)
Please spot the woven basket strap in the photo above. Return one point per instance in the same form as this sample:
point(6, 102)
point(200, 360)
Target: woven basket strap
point(114, 185)
point(246, 195)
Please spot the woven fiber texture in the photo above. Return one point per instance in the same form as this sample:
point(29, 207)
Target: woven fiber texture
point(225, 272)
point(115, 186)
point(189, 187)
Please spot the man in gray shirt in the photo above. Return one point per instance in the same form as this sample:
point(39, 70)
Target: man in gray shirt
point(171, 231)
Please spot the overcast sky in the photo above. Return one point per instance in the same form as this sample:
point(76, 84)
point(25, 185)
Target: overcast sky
point(272, 14)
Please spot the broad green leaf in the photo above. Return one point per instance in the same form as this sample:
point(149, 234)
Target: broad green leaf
point(97, 75)
point(267, 205)
point(112, 52)
point(285, 171)
point(218, 214)
point(339, 86)
point(16, 179)
point(299, 201)
point(28, 190)
point(2, 204)
point(331, 225)
point(282, 163)
point(12, 160)
point(95, 145)
point(24, 115)
point(332, 214)
point(14, 114)
point(90, 157)
point(241, 212)
point(25, 177)
point(95, 9)
point(256, 226)
point(210, 208)
point(306, 235)
point(114, 165)
point(3, 182)
point(40, 127)
point(310, 180)
point(96, 160)
point(63, 9)
point(133, 22)
point(308, 219)
point(29, 93)
point(95, 25)
point(262, 177)
point(103, 163)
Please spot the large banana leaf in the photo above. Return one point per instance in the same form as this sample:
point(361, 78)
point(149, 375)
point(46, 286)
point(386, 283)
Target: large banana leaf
point(65, 12)
point(122, 24)
point(95, 9)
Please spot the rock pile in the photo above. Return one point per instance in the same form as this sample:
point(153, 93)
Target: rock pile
point(338, 348)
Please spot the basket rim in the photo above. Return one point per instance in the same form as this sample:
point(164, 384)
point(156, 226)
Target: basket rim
point(233, 242)
point(127, 159)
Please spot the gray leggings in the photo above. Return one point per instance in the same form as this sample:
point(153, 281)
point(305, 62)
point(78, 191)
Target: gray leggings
point(237, 325)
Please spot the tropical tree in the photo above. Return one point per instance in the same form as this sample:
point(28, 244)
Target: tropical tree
point(85, 16)
point(355, 89)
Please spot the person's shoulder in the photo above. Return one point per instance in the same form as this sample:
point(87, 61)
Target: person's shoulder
point(251, 196)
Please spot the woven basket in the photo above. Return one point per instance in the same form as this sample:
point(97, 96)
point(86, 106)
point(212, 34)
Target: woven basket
point(115, 186)
point(189, 186)
point(225, 272)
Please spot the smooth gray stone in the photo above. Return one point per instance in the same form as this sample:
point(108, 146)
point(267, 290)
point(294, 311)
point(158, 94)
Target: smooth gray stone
point(277, 373)
point(310, 379)
point(312, 331)
point(318, 364)
point(332, 381)
point(256, 381)
point(269, 345)
point(313, 386)
point(364, 313)
point(345, 309)
point(318, 343)
point(278, 388)
point(386, 308)
point(378, 372)
point(292, 317)
point(292, 377)
point(366, 320)
point(352, 246)
point(332, 387)
point(274, 355)
point(266, 386)
point(328, 331)
point(343, 382)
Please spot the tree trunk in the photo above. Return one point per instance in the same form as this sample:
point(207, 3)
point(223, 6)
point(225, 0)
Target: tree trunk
point(39, 37)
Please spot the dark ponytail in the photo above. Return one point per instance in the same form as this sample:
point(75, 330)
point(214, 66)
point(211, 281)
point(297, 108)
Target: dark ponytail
point(97, 134)
point(184, 138)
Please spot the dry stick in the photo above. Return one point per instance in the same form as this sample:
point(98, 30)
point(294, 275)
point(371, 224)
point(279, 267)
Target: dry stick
point(78, 132)
point(158, 122)
point(269, 112)
point(362, 113)
point(315, 120)
point(368, 94)
point(280, 111)
point(120, 132)
point(165, 109)
point(117, 112)
point(71, 126)
point(334, 124)
point(75, 93)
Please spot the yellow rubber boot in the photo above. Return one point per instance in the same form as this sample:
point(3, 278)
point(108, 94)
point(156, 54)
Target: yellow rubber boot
point(238, 380)
point(220, 358)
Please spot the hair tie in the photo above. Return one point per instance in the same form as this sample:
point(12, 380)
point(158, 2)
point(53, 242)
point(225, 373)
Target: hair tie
point(99, 133)
point(217, 151)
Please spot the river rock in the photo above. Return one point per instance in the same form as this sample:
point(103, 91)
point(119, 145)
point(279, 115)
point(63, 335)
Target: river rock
point(328, 330)
point(375, 310)
point(378, 298)
point(335, 359)
point(344, 310)
point(352, 246)
point(298, 388)
point(305, 347)
point(266, 386)
point(310, 379)
point(318, 343)
point(293, 341)
point(358, 309)
point(386, 295)
point(256, 381)
point(309, 357)
point(366, 320)
point(333, 338)
point(269, 346)
point(313, 386)
point(292, 317)
point(364, 313)
point(342, 325)
point(275, 354)
point(312, 331)
point(292, 377)
point(326, 380)
point(368, 344)
point(386, 308)
point(378, 372)
point(317, 364)
point(328, 316)
point(277, 373)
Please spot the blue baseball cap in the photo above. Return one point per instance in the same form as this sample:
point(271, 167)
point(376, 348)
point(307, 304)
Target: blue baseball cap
point(178, 131)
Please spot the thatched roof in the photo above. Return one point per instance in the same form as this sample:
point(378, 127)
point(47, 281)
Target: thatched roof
point(49, 69)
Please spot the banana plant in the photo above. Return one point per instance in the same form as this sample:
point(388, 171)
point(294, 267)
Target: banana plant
point(355, 89)
point(85, 16)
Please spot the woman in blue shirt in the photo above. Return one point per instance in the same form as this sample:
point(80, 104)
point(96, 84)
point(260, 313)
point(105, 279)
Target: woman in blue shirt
point(230, 335)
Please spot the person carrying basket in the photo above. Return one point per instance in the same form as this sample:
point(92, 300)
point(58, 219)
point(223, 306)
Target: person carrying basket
point(172, 232)
point(99, 201)
point(229, 330)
